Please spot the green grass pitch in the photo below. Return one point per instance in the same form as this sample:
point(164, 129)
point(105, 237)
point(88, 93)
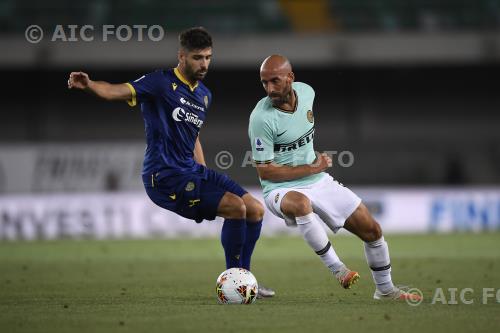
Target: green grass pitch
point(169, 286)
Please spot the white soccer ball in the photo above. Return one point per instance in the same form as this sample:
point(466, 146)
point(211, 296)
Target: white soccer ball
point(236, 286)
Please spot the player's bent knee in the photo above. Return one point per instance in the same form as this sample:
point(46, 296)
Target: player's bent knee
point(240, 210)
point(373, 233)
point(260, 211)
point(255, 212)
point(303, 207)
point(232, 207)
point(296, 204)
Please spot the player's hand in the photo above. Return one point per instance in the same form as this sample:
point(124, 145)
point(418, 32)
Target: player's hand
point(322, 162)
point(78, 80)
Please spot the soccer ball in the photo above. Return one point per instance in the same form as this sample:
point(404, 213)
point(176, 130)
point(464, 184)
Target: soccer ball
point(236, 286)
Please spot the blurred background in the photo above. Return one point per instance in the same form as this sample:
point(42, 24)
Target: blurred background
point(410, 88)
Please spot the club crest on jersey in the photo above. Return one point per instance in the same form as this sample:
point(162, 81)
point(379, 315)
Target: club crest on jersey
point(174, 86)
point(276, 198)
point(189, 187)
point(258, 144)
point(310, 116)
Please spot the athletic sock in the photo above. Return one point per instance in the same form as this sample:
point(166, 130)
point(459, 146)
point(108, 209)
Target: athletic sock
point(315, 235)
point(252, 235)
point(232, 239)
point(377, 256)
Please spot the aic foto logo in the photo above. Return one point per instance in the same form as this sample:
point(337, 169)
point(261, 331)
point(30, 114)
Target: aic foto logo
point(454, 296)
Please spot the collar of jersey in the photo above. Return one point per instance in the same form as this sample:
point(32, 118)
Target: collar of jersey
point(296, 105)
point(183, 80)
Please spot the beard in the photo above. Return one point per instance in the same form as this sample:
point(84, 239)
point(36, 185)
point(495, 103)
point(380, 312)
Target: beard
point(195, 75)
point(200, 74)
point(280, 99)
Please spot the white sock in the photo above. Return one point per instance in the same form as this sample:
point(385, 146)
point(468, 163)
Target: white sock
point(315, 235)
point(377, 256)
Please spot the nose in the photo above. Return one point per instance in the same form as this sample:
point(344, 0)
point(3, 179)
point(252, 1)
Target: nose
point(270, 89)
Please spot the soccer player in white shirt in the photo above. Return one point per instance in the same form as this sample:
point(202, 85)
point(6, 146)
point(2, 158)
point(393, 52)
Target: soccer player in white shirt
point(294, 183)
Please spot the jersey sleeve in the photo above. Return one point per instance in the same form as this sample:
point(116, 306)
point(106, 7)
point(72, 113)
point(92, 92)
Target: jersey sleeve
point(144, 88)
point(305, 89)
point(261, 139)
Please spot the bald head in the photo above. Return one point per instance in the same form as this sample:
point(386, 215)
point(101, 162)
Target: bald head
point(276, 64)
point(277, 77)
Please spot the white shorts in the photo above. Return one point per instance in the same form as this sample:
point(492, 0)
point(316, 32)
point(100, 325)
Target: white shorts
point(333, 202)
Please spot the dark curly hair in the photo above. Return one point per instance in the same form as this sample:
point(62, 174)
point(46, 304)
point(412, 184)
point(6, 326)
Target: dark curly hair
point(195, 39)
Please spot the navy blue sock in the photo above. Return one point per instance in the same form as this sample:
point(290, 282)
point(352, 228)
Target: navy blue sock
point(233, 239)
point(253, 233)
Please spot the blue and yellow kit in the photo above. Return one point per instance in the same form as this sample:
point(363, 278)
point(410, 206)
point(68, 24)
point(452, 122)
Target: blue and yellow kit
point(174, 111)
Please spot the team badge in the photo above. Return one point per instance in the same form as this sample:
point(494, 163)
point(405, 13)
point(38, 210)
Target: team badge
point(205, 99)
point(310, 116)
point(258, 144)
point(174, 86)
point(276, 198)
point(189, 187)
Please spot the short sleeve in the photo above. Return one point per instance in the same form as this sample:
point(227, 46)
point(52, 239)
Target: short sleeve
point(144, 88)
point(261, 139)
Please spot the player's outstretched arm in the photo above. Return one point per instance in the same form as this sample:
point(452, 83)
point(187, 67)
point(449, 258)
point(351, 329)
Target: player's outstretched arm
point(105, 90)
point(280, 173)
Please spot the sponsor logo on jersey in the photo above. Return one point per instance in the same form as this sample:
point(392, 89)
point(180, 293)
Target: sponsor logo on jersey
point(192, 105)
point(280, 134)
point(258, 144)
point(179, 114)
point(300, 142)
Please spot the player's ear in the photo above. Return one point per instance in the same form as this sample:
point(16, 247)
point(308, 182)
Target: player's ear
point(291, 77)
point(181, 55)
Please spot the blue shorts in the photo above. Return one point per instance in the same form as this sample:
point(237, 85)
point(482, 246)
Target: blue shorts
point(193, 196)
